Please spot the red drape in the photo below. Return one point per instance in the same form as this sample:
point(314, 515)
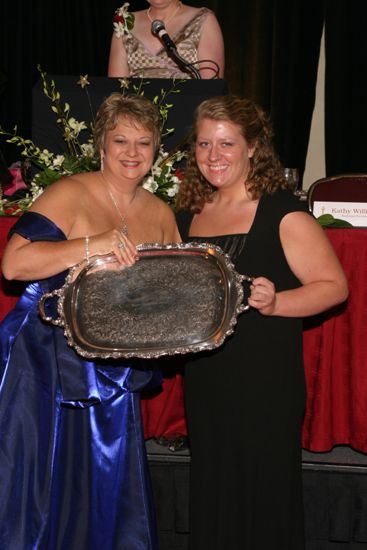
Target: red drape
point(335, 355)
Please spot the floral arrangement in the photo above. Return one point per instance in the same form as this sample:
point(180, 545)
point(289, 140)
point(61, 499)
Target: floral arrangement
point(163, 179)
point(123, 20)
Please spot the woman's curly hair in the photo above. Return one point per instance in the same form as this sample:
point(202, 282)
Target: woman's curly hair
point(266, 173)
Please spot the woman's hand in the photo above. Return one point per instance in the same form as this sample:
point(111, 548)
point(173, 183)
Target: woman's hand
point(263, 295)
point(313, 261)
point(114, 241)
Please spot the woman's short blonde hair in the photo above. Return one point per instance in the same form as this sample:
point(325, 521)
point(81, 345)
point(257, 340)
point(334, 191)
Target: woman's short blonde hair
point(135, 108)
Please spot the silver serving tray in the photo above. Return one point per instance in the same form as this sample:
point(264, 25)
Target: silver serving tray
point(175, 299)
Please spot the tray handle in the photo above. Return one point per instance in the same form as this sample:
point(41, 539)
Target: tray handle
point(41, 307)
point(245, 307)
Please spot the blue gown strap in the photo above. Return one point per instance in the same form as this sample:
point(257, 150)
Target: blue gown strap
point(37, 227)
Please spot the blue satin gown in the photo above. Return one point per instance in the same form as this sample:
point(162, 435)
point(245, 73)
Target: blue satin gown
point(73, 468)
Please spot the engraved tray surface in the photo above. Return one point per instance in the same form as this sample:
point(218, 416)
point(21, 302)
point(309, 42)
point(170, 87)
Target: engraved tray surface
point(176, 299)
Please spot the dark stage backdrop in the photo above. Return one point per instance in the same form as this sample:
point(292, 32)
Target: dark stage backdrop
point(272, 50)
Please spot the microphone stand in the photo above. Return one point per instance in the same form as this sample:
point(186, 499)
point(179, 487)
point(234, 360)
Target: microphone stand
point(184, 65)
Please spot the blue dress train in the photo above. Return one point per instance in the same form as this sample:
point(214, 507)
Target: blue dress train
point(73, 468)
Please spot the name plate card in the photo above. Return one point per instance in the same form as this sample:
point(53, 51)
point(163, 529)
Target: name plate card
point(352, 212)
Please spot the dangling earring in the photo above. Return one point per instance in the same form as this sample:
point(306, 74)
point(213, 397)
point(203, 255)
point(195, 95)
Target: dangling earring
point(102, 163)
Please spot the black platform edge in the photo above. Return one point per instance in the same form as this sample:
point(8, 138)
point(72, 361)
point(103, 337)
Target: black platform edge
point(332, 467)
point(342, 459)
point(161, 453)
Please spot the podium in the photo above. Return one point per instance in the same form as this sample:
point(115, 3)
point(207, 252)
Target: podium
point(188, 94)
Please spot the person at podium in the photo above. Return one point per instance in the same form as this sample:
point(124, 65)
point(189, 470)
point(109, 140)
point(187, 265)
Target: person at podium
point(138, 51)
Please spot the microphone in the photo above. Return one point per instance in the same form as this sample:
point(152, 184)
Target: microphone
point(159, 29)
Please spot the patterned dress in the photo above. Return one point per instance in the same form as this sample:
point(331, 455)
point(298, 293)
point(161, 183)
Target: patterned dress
point(143, 63)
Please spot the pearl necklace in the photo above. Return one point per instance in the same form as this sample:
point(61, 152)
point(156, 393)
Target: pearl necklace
point(166, 21)
point(124, 227)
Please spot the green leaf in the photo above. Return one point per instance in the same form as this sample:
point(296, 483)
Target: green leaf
point(328, 220)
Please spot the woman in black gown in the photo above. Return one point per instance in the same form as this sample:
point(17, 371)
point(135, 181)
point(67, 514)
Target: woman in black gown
point(245, 400)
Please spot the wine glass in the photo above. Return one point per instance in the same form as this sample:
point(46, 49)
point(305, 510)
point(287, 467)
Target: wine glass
point(292, 177)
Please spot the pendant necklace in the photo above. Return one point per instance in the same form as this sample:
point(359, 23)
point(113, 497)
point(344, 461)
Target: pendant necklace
point(166, 21)
point(124, 227)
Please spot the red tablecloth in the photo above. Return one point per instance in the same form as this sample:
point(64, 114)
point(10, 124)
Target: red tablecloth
point(9, 292)
point(335, 355)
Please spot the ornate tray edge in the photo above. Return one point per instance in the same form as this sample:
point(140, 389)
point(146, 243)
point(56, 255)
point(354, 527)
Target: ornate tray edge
point(120, 353)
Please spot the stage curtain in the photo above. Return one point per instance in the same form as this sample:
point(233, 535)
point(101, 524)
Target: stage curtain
point(272, 50)
point(345, 86)
point(65, 37)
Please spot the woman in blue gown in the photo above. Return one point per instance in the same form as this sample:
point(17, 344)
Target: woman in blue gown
point(73, 468)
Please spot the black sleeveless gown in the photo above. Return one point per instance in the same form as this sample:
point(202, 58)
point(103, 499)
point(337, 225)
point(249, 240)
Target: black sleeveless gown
point(245, 403)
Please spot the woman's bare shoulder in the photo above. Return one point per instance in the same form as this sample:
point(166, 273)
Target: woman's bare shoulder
point(62, 201)
point(67, 186)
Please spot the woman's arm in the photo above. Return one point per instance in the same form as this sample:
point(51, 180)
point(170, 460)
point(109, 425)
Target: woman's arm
point(312, 259)
point(117, 63)
point(211, 46)
point(25, 260)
